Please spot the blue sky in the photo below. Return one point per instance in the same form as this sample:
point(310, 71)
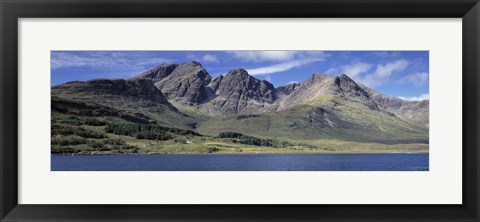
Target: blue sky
point(402, 74)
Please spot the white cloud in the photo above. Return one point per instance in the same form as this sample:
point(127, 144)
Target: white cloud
point(67, 60)
point(149, 62)
point(389, 68)
point(261, 56)
point(292, 82)
point(275, 56)
point(286, 59)
point(417, 98)
point(210, 58)
point(418, 79)
point(282, 66)
point(105, 61)
point(331, 71)
point(383, 73)
point(355, 69)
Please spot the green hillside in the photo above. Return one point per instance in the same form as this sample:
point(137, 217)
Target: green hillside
point(327, 118)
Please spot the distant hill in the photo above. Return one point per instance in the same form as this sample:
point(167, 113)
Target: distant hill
point(117, 97)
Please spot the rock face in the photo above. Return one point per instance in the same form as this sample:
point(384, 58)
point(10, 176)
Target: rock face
point(350, 88)
point(286, 90)
point(410, 111)
point(190, 85)
point(182, 84)
point(416, 112)
point(308, 92)
point(158, 73)
point(353, 92)
point(322, 106)
point(238, 92)
point(186, 84)
point(215, 83)
point(319, 87)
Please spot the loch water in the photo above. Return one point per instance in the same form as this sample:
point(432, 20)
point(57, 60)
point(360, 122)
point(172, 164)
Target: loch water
point(242, 162)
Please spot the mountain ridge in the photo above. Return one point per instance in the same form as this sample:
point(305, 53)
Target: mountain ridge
point(172, 106)
point(216, 95)
point(323, 106)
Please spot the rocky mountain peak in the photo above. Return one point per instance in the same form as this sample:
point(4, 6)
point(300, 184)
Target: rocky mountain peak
point(416, 112)
point(193, 63)
point(316, 78)
point(287, 89)
point(240, 73)
point(191, 68)
point(158, 73)
point(239, 79)
point(346, 84)
point(215, 83)
point(239, 92)
point(345, 77)
point(186, 84)
point(354, 92)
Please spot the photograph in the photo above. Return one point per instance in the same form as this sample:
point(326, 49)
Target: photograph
point(239, 110)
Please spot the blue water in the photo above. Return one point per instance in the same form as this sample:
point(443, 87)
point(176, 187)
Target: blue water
point(242, 162)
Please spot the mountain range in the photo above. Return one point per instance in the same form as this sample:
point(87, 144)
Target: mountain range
point(186, 96)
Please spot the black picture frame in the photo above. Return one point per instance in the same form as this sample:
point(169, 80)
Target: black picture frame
point(11, 10)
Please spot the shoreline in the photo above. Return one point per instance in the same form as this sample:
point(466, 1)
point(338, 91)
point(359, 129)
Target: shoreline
point(126, 154)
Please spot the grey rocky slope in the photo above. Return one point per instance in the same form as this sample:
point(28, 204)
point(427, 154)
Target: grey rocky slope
point(239, 92)
point(416, 112)
point(286, 90)
point(184, 84)
point(189, 86)
point(318, 86)
point(322, 107)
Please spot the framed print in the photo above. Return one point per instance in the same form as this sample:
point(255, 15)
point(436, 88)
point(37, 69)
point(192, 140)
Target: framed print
point(224, 110)
point(315, 122)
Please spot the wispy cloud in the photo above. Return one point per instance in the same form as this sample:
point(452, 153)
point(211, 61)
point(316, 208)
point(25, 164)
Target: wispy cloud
point(275, 56)
point(118, 63)
point(353, 70)
point(331, 71)
point(417, 98)
point(261, 56)
point(383, 73)
point(210, 58)
point(362, 72)
point(356, 68)
point(282, 66)
point(292, 82)
point(418, 79)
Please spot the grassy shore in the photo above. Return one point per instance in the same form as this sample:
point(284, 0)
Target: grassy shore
point(80, 135)
point(212, 145)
